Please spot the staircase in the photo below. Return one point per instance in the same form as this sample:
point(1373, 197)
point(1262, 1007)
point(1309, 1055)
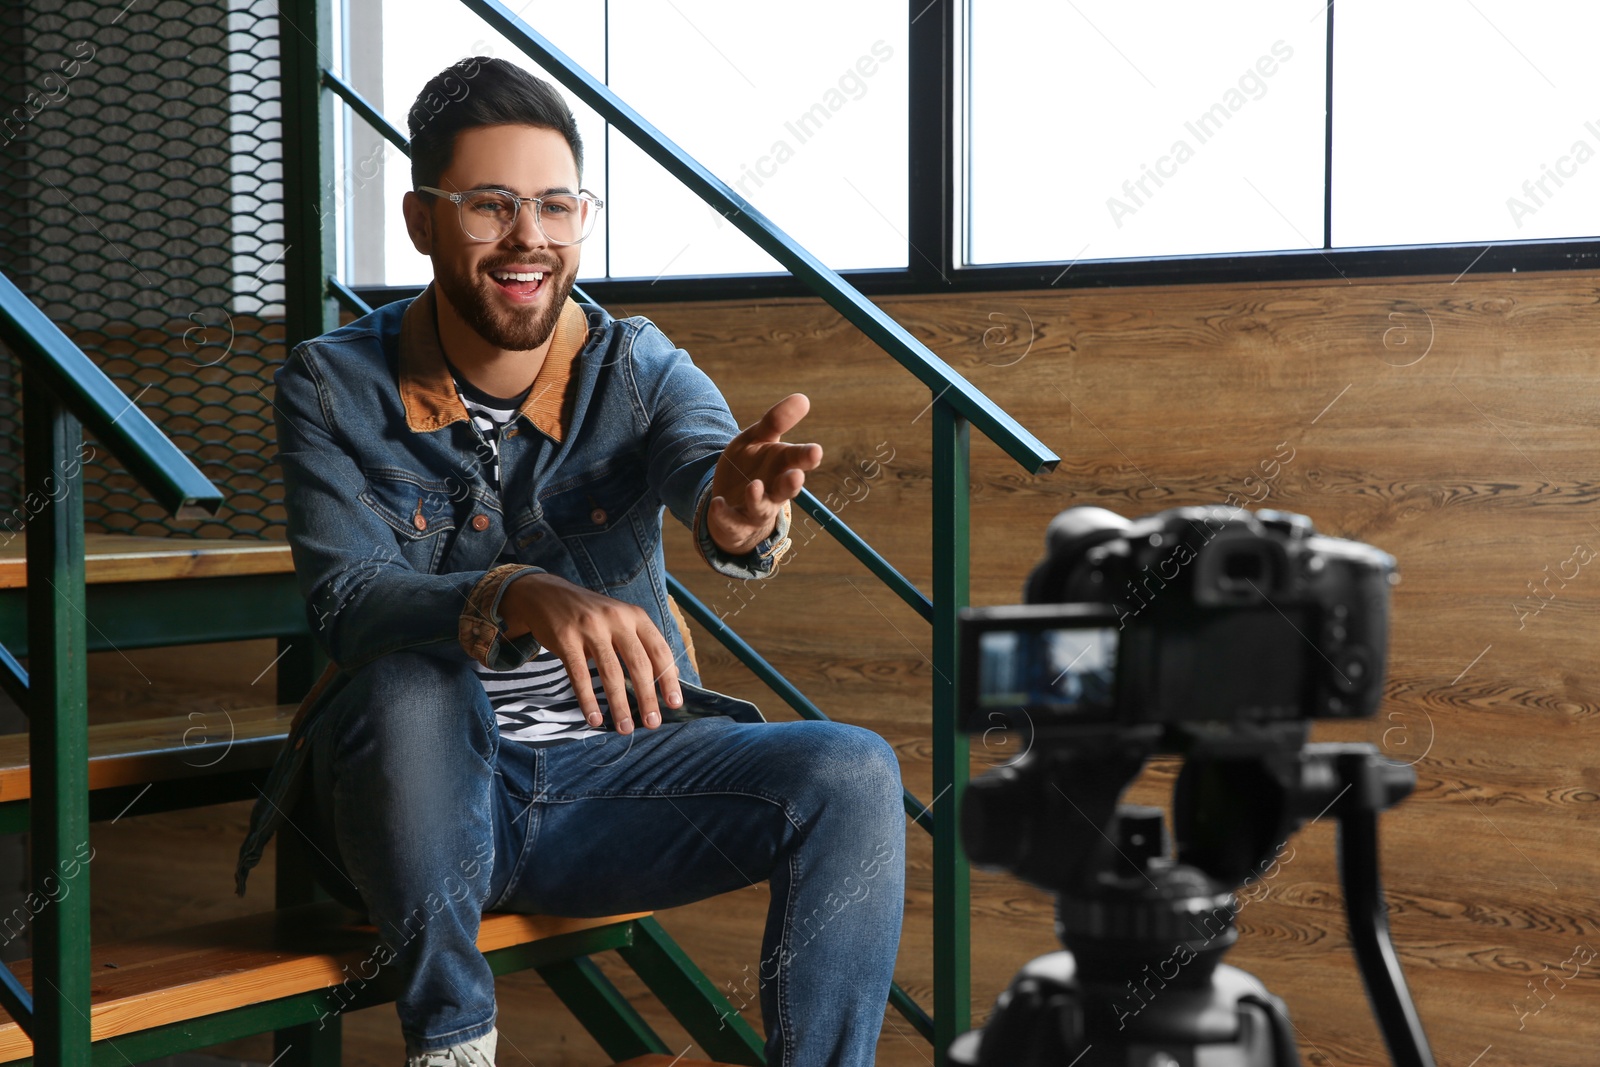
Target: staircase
point(65, 592)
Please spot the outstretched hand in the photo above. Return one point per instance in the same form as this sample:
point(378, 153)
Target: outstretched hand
point(757, 474)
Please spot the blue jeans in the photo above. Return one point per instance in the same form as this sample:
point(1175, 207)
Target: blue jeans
point(420, 814)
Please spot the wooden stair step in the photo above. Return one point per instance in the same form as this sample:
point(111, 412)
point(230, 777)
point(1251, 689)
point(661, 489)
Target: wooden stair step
point(123, 558)
point(188, 973)
point(196, 745)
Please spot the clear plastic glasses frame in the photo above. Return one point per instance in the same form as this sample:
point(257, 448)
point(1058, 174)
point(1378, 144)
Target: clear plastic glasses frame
point(490, 214)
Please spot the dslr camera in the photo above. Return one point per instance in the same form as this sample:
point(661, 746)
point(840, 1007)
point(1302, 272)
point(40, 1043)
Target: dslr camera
point(1218, 635)
point(1198, 614)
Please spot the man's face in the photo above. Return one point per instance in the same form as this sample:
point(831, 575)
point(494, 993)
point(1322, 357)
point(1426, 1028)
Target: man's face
point(471, 275)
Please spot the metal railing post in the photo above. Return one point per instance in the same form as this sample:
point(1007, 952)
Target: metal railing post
point(58, 728)
point(309, 310)
point(310, 240)
point(952, 947)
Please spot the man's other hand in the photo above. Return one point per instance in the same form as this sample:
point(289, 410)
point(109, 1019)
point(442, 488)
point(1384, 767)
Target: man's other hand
point(757, 474)
point(578, 626)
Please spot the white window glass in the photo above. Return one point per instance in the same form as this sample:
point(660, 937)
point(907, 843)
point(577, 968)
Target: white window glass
point(360, 199)
point(802, 109)
point(421, 38)
point(1103, 130)
point(1460, 122)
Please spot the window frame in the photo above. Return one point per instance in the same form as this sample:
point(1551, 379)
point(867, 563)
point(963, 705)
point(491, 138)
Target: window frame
point(936, 42)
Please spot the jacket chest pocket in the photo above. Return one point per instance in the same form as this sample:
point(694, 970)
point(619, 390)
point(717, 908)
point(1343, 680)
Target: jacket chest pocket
point(600, 523)
point(421, 513)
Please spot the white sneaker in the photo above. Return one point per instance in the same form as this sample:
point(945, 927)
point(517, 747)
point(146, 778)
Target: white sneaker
point(479, 1053)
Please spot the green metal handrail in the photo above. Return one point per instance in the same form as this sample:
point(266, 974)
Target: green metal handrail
point(13, 678)
point(64, 391)
point(774, 679)
point(361, 106)
point(759, 666)
point(348, 296)
point(881, 568)
point(49, 356)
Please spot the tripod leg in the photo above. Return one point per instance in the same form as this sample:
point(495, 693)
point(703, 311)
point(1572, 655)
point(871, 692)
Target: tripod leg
point(1369, 928)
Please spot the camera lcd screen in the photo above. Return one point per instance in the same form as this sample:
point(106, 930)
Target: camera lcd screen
point(1066, 670)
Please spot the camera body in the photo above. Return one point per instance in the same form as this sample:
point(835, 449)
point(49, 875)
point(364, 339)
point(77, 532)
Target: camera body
point(1217, 634)
point(1190, 615)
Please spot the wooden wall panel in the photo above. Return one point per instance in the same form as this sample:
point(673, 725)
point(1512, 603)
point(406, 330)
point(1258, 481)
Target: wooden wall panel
point(1450, 423)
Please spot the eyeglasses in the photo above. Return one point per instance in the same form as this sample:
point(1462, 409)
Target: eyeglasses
point(489, 214)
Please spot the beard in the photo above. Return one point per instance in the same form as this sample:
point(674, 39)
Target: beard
point(513, 329)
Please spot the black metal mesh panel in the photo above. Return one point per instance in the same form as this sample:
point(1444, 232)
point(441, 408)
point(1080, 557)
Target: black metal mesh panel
point(141, 204)
point(13, 248)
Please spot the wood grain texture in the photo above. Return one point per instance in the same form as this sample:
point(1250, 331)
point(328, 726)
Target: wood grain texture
point(195, 971)
point(122, 558)
point(1449, 424)
point(158, 750)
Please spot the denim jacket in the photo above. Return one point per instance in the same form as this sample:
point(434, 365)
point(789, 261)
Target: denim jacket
point(400, 538)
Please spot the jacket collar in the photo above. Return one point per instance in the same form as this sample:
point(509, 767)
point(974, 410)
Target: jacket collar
point(429, 393)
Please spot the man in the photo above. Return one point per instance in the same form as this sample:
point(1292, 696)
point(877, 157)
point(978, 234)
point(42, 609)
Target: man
point(474, 483)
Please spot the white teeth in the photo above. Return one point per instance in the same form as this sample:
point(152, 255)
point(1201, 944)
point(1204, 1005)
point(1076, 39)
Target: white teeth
point(518, 276)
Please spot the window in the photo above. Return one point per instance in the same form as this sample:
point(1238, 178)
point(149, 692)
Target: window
point(1100, 131)
point(420, 39)
point(1465, 122)
point(1093, 136)
point(1131, 143)
point(801, 110)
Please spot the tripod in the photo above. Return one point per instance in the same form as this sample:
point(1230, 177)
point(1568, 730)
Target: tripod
point(1140, 982)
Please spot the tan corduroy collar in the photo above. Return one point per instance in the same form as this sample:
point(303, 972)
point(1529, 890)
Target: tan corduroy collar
point(429, 393)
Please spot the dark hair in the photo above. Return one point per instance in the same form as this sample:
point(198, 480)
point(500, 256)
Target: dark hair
point(481, 91)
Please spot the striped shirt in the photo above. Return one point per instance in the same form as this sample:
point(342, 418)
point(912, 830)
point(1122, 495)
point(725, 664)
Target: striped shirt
point(534, 703)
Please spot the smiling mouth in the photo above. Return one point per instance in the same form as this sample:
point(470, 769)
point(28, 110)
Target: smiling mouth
point(519, 283)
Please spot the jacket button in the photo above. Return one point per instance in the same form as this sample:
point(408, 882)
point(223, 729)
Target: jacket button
point(419, 521)
point(598, 515)
point(480, 522)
